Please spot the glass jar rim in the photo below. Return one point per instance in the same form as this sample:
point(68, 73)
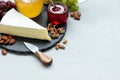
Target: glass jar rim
point(61, 3)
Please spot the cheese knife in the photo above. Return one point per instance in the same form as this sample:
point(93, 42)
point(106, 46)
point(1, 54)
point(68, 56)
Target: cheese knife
point(45, 59)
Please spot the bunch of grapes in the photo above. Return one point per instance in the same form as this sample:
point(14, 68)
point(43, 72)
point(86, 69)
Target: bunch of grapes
point(71, 4)
point(5, 6)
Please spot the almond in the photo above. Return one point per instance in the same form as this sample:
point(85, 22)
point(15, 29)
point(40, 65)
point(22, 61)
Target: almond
point(9, 37)
point(6, 42)
point(3, 37)
point(4, 51)
point(12, 41)
point(1, 41)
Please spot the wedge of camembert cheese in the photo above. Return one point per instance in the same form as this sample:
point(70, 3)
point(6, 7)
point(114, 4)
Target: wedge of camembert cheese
point(14, 23)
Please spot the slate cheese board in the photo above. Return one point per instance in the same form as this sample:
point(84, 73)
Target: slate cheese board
point(43, 45)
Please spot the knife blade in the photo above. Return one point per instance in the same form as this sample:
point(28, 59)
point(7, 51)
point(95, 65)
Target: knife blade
point(45, 59)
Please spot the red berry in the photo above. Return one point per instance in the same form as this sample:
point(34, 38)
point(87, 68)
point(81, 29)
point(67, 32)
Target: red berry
point(56, 8)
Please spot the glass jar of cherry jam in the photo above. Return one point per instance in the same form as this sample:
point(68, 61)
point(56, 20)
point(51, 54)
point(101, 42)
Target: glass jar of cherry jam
point(57, 13)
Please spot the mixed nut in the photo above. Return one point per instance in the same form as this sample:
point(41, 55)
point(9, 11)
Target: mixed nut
point(75, 15)
point(55, 31)
point(6, 40)
point(61, 46)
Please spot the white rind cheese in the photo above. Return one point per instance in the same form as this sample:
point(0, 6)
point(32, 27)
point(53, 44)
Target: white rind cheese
point(14, 23)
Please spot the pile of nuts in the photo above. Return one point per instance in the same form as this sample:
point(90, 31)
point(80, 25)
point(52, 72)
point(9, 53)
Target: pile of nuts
point(75, 15)
point(61, 46)
point(54, 31)
point(6, 40)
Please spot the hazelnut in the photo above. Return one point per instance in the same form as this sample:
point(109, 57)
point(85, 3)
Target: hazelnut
point(78, 13)
point(72, 14)
point(12, 41)
point(76, 17)
point(4, 51)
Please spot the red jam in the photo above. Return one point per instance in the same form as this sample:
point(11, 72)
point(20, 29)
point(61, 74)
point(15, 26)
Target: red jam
point(58, 13)
point(55, 8)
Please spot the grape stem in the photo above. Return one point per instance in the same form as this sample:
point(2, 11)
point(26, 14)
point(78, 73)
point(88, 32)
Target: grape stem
point(52, 2)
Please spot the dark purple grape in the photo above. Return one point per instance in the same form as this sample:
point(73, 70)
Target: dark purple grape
point(2, 2)
point(13, 5)
point(0, 14)
point(3, 13)
point(3, 5)
point(10, 4)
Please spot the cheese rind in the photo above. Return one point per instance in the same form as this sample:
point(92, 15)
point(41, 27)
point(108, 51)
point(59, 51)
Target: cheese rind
point(15, 23)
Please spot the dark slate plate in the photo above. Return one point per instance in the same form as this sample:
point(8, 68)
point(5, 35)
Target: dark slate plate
point(43, 45)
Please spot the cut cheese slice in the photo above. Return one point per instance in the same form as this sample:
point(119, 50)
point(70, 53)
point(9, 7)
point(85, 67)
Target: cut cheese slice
point(14, 23)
